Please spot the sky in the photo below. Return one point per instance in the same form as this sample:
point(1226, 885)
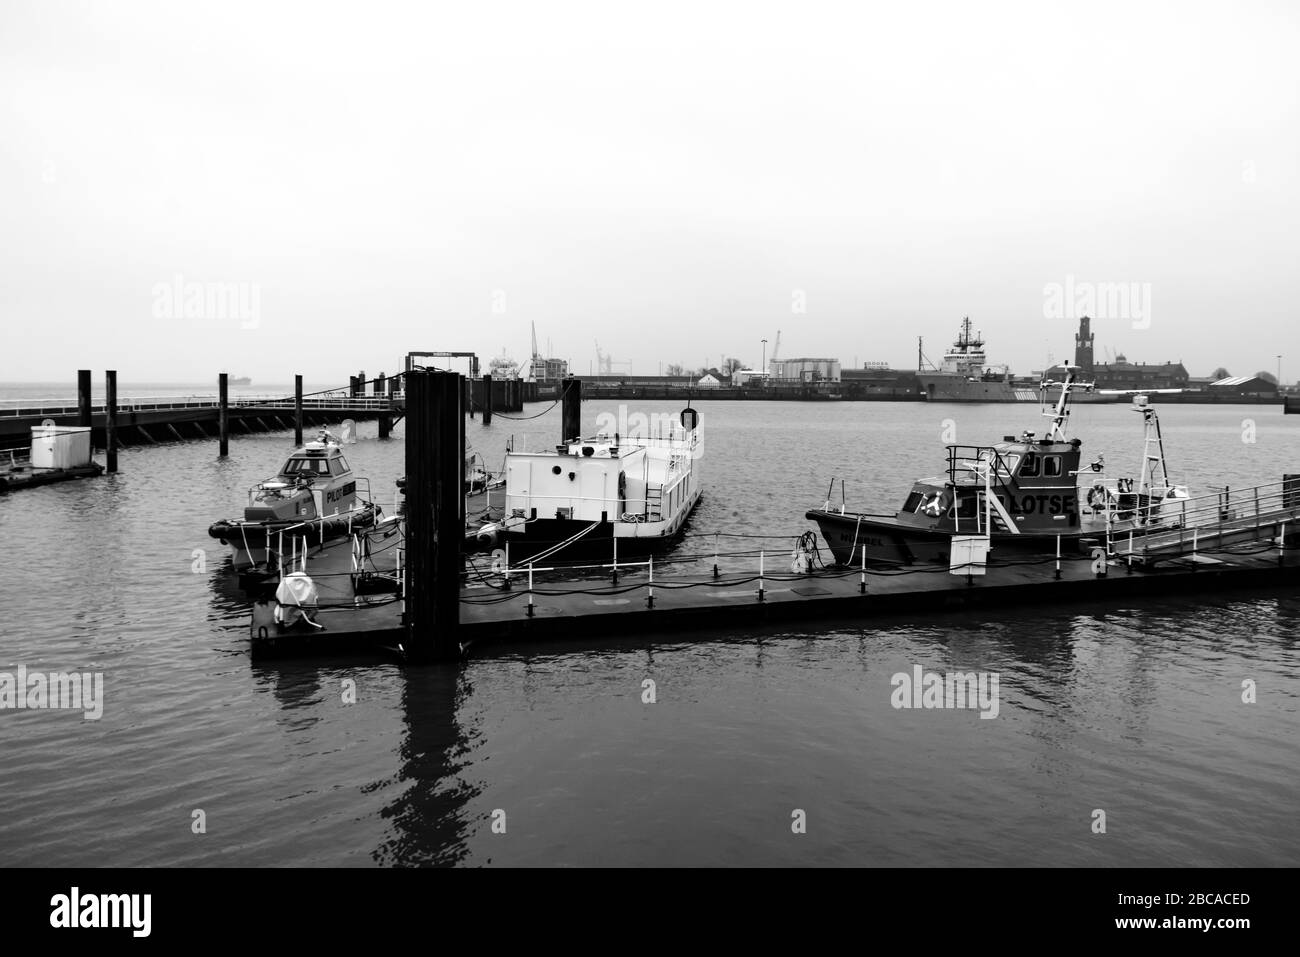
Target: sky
point(271, 188)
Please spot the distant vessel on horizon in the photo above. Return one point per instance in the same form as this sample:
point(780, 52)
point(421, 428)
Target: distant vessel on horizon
point(241, 380)
point(964, 377)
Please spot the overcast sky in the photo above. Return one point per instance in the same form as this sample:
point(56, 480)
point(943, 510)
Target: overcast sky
point(676, 181)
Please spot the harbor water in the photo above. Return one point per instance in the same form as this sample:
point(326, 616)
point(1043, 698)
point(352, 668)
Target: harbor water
point(552, 755)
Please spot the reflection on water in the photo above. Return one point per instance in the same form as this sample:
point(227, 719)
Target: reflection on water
point(427, 819)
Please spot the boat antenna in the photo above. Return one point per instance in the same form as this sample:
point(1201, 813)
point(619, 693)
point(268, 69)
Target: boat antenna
point(1060, 414)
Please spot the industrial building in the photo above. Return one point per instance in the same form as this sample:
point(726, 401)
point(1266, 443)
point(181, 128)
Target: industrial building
point(805, 370)
point(1121, 374)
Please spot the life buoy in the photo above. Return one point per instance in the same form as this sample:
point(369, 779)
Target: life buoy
point(1098, 497)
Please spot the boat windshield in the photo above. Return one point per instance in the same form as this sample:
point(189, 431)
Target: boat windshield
point(306, 467)
point(1004, 463)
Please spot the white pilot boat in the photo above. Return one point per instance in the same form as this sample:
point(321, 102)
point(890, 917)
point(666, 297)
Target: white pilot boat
point(313, 498)
point(593, 498)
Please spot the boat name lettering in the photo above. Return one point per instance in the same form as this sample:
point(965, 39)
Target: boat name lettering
point(1044, 504)
point(343, 490)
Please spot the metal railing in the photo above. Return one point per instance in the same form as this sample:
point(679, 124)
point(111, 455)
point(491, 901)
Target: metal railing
point(1160, 525)
point(15, 408)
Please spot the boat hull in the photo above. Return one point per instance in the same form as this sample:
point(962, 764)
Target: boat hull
point(945, 388)
point(887, 541)
point(582, 543)
point(250, 540)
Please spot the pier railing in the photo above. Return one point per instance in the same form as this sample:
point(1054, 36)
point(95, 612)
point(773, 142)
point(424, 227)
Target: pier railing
point(1170, 527)
point(17, 408)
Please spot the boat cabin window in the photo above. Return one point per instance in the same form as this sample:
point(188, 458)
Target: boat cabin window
point(913, 500)
point(1051, 465)
point(1031, 466)
point(1006, 463)
point(338, 466)
point(306, 467)
point(966, 506)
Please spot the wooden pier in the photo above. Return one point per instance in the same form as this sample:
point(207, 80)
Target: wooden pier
point(150, 421)
point(682, 595)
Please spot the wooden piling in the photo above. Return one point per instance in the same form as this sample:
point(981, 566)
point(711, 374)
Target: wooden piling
point(571, 410)
point(297, 411)
point(83, 398)
point(223, 414)
point(487, 399)
point(110, 420)
point(435, 525)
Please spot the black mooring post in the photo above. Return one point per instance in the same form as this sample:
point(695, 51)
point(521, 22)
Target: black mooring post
point(435, 467)
point(487, 399)
point(83, 398)
point(470, 385)
point(223, 414)
point(297, 411)
point(110, 420)
point(571, 410)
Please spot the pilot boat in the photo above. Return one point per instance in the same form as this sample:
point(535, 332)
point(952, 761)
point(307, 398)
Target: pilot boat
point(598, 498)
point(1024, 494)
point(313, 497)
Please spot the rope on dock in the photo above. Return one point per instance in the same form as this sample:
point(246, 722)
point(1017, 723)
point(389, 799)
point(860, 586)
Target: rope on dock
point(525, 418)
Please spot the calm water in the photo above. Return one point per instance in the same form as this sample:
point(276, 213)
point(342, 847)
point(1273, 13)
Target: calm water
point(1135, 709)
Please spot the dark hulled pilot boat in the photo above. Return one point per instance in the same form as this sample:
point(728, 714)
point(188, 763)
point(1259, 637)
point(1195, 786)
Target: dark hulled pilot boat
point(1024, 493)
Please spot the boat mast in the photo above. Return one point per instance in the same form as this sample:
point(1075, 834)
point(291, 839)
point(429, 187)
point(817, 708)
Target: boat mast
point(1153, 462)
point(1061, 413)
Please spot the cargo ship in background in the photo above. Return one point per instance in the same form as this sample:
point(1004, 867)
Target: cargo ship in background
point(963, 376)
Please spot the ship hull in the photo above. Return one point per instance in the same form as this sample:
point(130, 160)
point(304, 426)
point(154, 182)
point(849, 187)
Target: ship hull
point(581, 542)
point(946, 388)
point(887, 541)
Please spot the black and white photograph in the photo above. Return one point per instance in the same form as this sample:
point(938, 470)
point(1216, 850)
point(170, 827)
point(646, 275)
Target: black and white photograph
point(442, 437)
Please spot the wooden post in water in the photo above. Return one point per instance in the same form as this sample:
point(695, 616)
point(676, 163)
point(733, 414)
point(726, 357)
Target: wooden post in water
point(571, 410)
point(435, 524)
point(83, 398)
point(110, 420)
point(223, 414)
point(382, 388)
point(297, 411)
point(487, 399)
